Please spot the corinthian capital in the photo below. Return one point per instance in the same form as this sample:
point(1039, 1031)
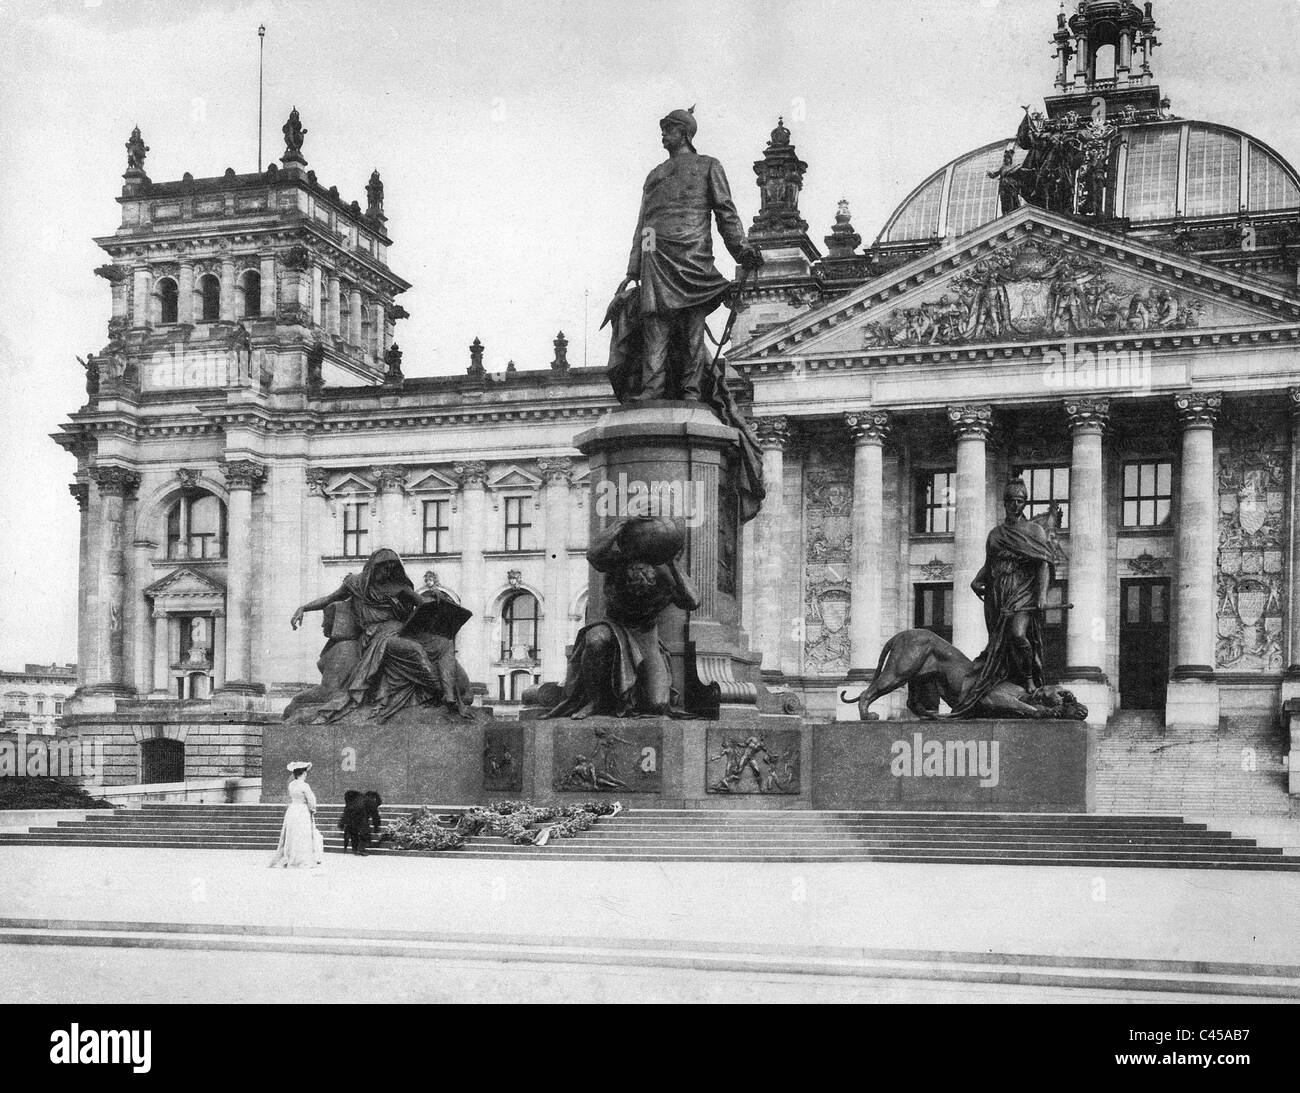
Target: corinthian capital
point(81, 491)
point(389, 478)
point(867, 426)
point(1086, 414)
point(773, 432)
point(472, 472)
point(971, 420)
point(556, 468)
point(115, 481)
point(243, 474)
point(1198, 409)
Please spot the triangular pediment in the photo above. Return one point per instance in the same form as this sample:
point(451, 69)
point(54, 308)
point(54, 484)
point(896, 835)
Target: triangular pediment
point(431, 481)
point(513, 478)
point(1031, 276)
point(350, 484)
point(185, 584)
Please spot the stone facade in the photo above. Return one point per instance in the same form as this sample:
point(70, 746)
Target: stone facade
point(34, 697)
point(1135, 369)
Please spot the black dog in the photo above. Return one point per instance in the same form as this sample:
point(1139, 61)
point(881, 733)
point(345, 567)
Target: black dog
point(354, 822)
point(360, 819)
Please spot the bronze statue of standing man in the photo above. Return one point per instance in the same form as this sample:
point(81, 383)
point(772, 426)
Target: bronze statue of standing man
point(678, 285)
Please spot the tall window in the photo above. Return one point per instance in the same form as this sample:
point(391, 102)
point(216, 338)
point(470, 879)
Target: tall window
point(355, 530)
point(40, 705)
point(167, 296)
point(932, 608)
point(437, 531)
point(1148, 494)
point(209, 298)
point(196, 527)
point(519, 627)
point(936, 502)
point(518, 526)
point(58, 705)
point(1047, 485)
point(250, 288)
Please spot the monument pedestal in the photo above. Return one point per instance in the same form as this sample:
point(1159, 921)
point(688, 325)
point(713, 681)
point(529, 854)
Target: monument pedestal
point(675, 459)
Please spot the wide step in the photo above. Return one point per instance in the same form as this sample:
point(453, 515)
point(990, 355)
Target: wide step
point(1146, 841)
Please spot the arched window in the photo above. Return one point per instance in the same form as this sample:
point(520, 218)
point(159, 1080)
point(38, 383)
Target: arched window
point(365, 340)
point(196, 526)
point(250, 291)
point(519, 627)
point(167, 296)
point(209, 291)
point(162, 760)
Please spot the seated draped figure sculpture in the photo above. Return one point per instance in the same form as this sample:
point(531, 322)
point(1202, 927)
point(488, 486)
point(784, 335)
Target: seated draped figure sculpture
point(389, 648)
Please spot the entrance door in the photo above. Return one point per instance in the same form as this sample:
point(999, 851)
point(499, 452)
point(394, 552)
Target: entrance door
point(1143, 642)
point(932, 609)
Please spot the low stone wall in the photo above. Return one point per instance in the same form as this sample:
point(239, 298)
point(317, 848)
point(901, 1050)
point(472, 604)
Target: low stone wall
point(218, 743)
point(199, 791)
point(755, 761)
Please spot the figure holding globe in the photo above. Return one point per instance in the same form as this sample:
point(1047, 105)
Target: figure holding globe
point(618, 665)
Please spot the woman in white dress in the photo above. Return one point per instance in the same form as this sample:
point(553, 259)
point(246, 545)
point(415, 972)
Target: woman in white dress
point(301, 845)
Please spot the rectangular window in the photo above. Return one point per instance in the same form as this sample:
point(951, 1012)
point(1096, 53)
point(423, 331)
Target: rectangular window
point(1148, 494)
point(1151, 184)
point(355, 530)
point(518, 526)
point(437, 531)
point(1047, 485)
point(936, 502)
point(58, 705)
point(933, 608)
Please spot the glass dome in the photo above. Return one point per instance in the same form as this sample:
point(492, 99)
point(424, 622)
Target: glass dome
point(1164, 167)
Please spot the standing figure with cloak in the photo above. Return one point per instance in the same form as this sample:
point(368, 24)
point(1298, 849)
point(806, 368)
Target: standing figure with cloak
point(658, 348)
point(1020, 555)
point(395, 669)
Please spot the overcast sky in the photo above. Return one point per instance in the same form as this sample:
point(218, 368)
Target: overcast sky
point(513, 138)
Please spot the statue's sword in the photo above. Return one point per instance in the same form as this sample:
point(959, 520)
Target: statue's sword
point(731, 318)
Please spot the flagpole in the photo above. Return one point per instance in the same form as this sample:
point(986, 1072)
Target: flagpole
point(261, 46)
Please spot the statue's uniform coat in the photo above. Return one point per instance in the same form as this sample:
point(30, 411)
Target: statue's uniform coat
point(674, 265)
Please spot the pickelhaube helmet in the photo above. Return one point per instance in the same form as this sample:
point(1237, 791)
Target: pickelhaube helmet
point(686, 119)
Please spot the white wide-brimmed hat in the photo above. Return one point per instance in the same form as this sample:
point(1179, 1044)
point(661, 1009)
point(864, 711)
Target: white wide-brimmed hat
point(299, 765)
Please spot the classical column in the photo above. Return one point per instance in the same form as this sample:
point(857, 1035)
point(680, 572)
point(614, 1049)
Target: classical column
point(354, 316)
point(335, 303)
point(228, 290)
point(1193, 695)
point(268, 286)
point(185, 292)
point(770, 623)
point(558, 472)
point(242, 477)
point(390, 482)
point(971, 423)
point(161, 653)
point(140, 296)
point(869, 429)
point(377, 331)
point(1086, 629)
point(115, 484)
point(473, 503)
point(85, 625)
point(317, 295)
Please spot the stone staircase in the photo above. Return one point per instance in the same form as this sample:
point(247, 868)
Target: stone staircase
point(1094, 840)
point(1238, 768)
